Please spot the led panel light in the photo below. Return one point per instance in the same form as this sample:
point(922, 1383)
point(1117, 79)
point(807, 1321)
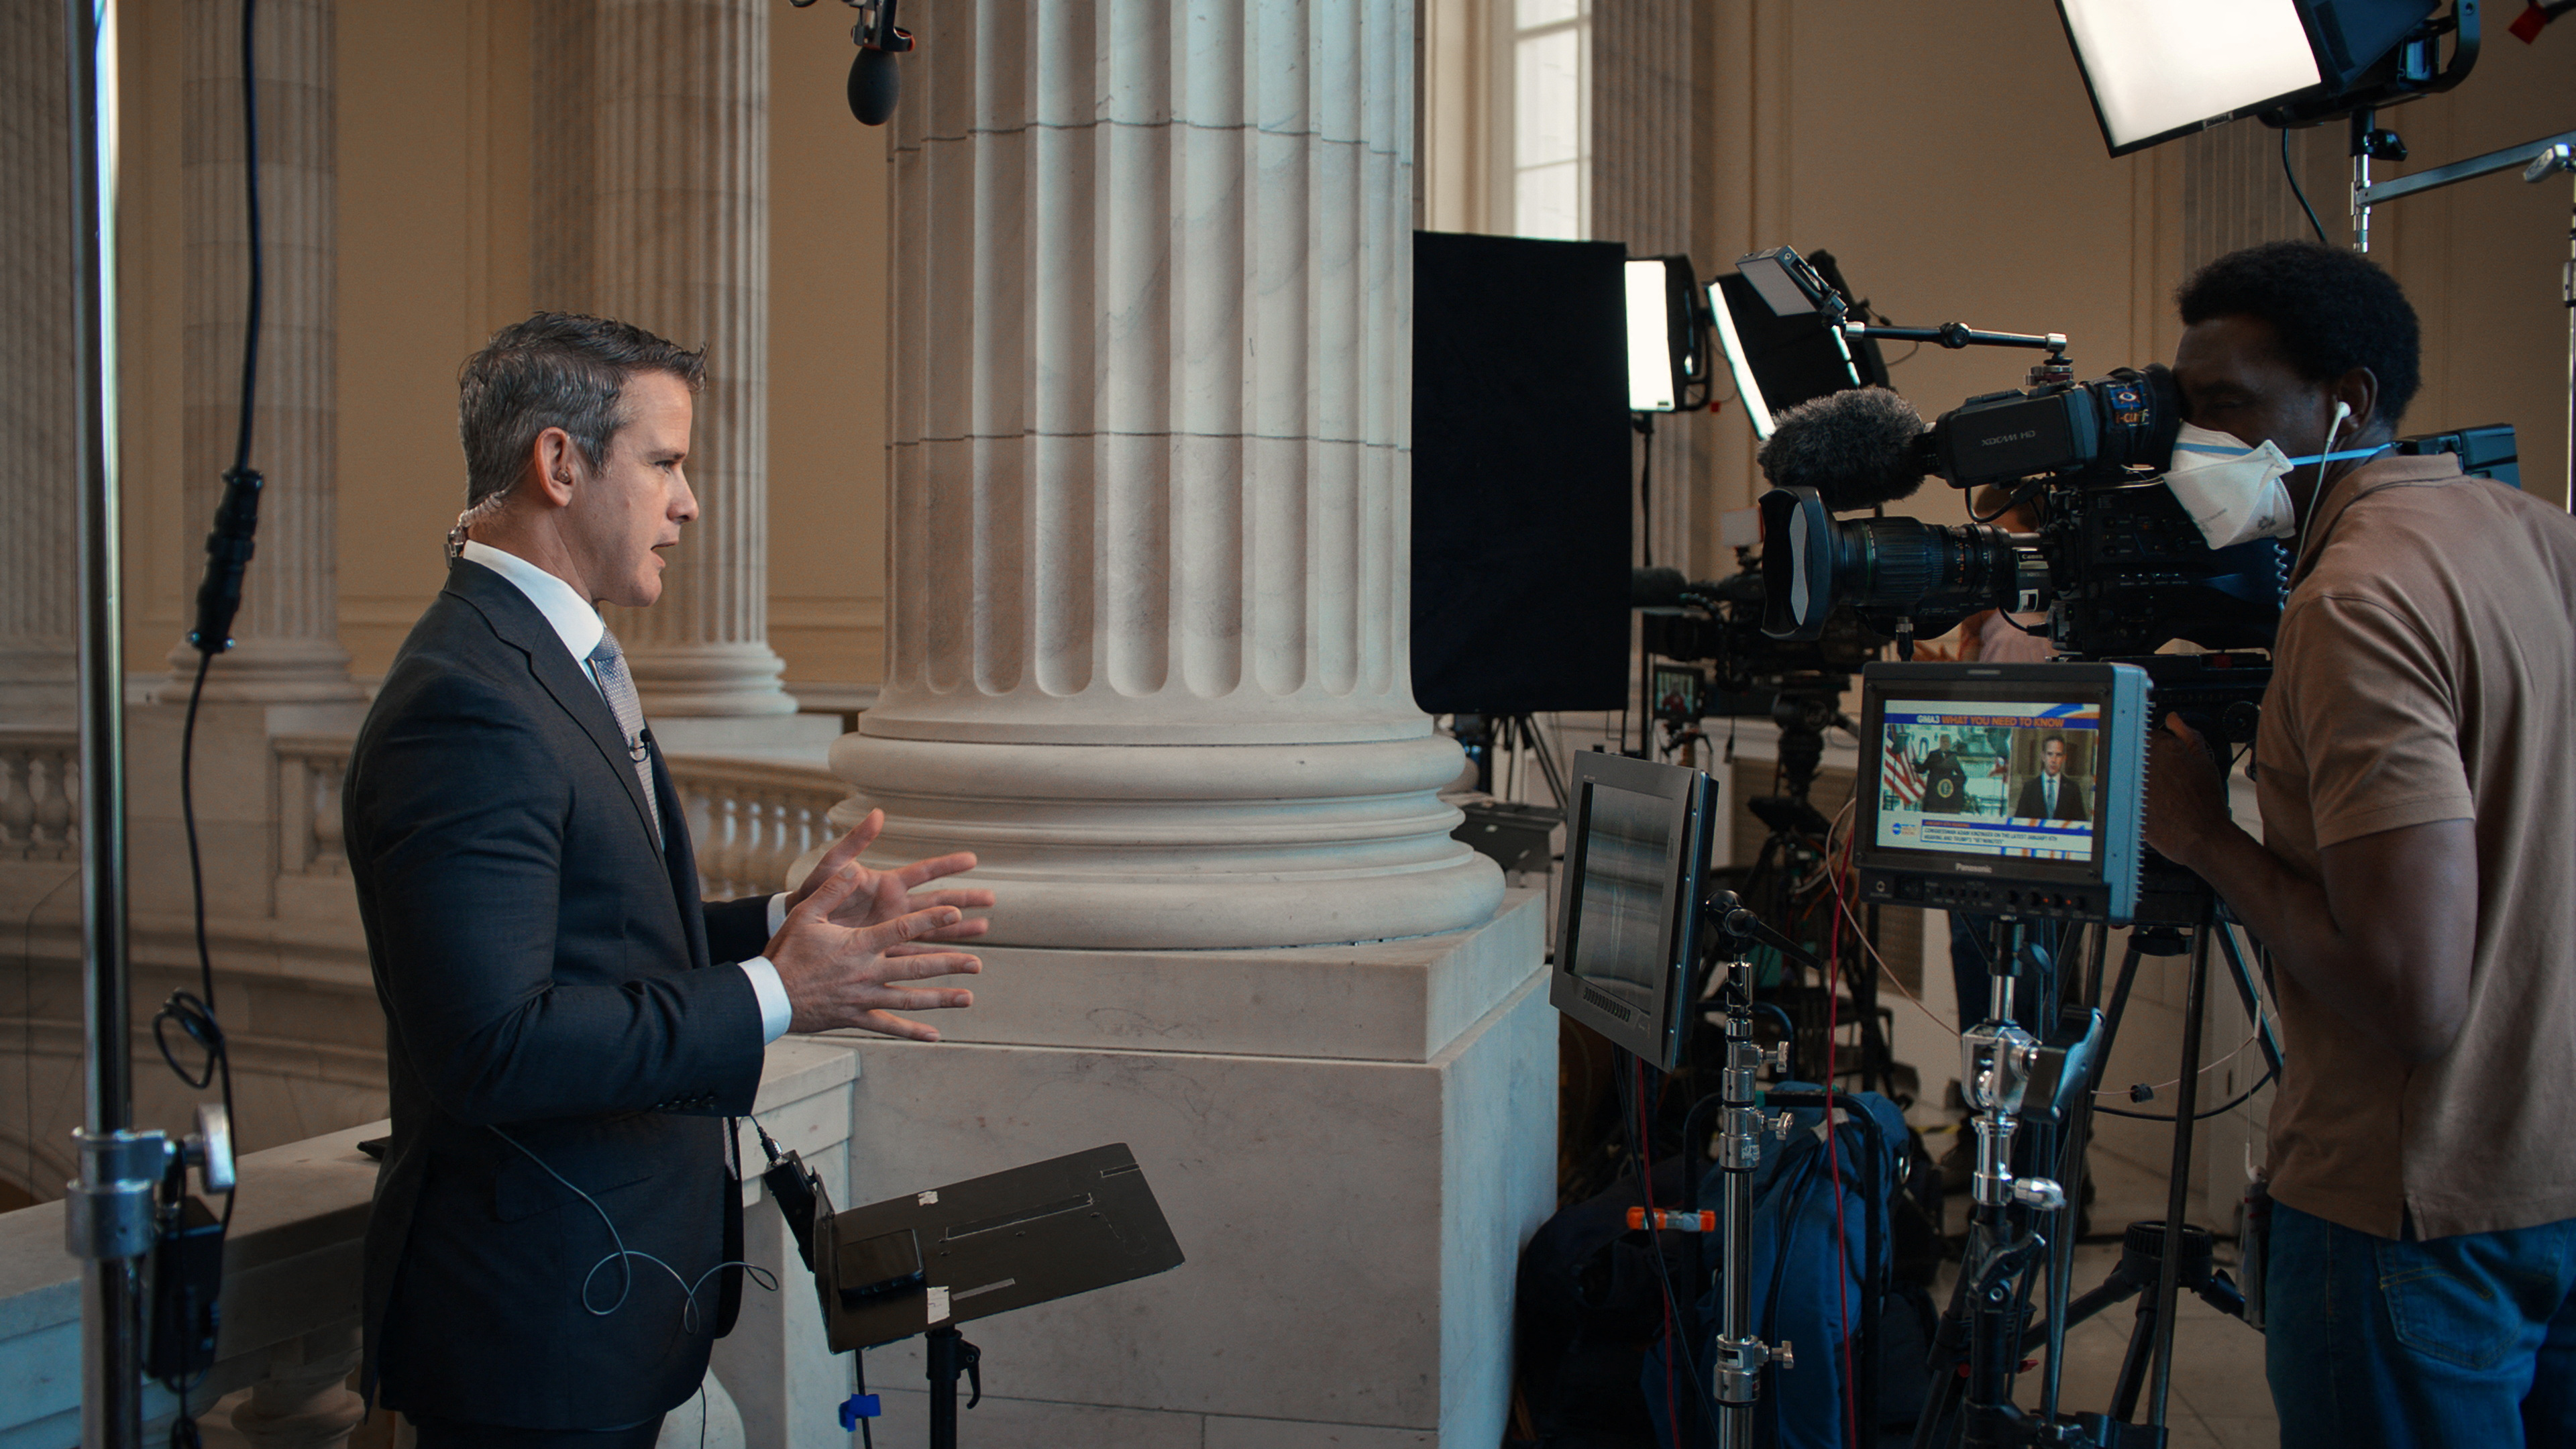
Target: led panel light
point(2158, 69)
point(1747, 388)
point(1651, 385)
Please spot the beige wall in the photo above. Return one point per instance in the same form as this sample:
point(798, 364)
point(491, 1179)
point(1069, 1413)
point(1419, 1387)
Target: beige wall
point(1946, 154)
point(434, 249)
point(1948, 157)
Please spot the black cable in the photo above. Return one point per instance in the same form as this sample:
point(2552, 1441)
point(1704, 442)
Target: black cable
point(195, 1014)
point(2241, 1099)
point(2296, 190)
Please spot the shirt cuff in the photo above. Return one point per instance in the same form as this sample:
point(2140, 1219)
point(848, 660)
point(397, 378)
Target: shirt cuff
point(777, 912)
point(771, 993)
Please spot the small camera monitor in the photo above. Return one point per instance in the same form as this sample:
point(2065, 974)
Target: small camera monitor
point(2003, 789)
point(1628, 928)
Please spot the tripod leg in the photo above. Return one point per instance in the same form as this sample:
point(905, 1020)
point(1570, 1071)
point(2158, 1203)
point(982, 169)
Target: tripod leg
point(2178, 1192)
point(1949, 1345)
point(2133, 1367)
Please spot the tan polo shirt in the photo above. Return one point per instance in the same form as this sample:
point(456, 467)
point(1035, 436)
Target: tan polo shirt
point(2426, 671)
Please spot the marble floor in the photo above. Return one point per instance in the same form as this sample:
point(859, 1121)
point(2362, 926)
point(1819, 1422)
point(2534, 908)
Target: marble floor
point(2219, 1398)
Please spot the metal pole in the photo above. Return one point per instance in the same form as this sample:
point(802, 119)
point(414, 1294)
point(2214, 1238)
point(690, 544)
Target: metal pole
point(101, 1216)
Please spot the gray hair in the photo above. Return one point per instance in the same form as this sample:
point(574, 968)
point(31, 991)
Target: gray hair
point(555, 370)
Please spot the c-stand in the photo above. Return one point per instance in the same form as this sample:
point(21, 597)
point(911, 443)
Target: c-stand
point(2013, 1075)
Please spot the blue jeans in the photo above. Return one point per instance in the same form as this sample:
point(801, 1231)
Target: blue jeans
point(2468, 1340)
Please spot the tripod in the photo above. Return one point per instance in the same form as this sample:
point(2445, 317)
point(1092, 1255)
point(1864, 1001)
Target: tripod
point(2014, 1075)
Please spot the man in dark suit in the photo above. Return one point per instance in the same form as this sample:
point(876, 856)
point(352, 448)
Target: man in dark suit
point(567, 1028)
point(2050, 795)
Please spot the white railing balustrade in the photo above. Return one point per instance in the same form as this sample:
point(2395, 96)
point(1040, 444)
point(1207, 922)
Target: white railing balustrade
point(310, 769)
point(39, 793)
point(750, 820)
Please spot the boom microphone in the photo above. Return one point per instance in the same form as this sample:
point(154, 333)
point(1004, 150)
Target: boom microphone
point(1857, 449)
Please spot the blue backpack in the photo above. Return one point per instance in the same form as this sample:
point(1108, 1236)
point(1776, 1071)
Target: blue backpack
point(1798, 1294)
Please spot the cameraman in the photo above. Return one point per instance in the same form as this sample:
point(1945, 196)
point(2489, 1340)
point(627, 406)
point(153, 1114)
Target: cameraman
point(2415, 884)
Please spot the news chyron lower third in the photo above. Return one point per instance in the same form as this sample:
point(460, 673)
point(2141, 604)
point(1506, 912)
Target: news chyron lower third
point(2011, 789)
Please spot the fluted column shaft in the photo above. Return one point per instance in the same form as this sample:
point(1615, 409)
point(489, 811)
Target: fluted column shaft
point(1642, 152)
point(288, 628)
point(1151, 430)
point(652, 206)
point(39, 398)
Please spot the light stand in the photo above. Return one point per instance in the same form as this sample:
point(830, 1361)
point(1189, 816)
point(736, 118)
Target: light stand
point(1736, 1372)
point(2539, 160)
point(108, 1212)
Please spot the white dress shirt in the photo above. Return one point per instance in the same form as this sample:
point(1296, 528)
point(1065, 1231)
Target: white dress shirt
point(580, 628)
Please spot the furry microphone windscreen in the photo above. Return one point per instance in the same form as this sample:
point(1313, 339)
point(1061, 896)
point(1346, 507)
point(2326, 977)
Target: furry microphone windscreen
point(1856, 448)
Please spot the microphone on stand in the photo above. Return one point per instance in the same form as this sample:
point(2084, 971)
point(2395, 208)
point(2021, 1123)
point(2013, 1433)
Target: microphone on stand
point(875, 85)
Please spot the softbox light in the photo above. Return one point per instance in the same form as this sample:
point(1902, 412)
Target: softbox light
point(2167, 68)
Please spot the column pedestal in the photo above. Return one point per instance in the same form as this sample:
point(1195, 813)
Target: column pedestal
point(1350, 1143)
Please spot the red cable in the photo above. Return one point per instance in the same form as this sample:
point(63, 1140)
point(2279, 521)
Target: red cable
point(1833, 1148)
point(1646, 1185)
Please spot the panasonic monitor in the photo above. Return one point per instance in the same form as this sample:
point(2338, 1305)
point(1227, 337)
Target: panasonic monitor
point(1628, 917)
point(2003, 789)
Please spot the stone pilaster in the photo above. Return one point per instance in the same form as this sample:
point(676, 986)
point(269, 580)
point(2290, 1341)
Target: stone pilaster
point(39, 481)
point(1147, 635)
point(652, 206)
point(1643, 136)
point(288, 629)
point(2234, 194)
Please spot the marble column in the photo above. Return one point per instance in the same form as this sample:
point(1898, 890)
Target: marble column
point(289, 649)
point(1147, 631)
point(39, 480)
point(1643, 150)
point(652, 206)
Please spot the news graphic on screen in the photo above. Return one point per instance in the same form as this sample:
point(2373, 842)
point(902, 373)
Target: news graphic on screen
point(2003, 788)
point(1989, 777)
point(1636, 858)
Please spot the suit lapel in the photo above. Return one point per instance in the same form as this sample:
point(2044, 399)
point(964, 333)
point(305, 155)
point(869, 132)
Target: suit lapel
point(519, 624)
point(679, 859)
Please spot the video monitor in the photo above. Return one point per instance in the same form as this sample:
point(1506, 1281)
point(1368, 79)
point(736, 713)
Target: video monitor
point(2003, 789)
point(1628, 929)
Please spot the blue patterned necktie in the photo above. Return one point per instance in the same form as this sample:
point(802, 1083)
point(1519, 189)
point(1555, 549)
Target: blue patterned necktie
point(608, 664)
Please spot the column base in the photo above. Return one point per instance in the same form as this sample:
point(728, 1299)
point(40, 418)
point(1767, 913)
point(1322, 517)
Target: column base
point(1350, 1144)
point(789, 739)
point(264, 671)
point(1183, 847)
point(677, 680)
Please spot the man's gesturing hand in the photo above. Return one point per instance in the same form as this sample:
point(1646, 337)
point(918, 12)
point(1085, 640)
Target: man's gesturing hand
point(839, 976)
point(878, 896)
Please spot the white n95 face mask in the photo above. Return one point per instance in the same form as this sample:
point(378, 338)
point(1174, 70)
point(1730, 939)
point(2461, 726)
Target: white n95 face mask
point(2232, 491)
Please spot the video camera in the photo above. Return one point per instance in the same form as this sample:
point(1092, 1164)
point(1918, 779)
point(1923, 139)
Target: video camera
point(2114, 560)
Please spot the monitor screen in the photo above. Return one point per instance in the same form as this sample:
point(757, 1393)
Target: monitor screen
point(1993, 777)
point(1636, 858)
point(2011, 789)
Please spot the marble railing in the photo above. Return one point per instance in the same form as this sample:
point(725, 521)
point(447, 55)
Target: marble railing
point(309, 771)
point(292, 1271)
point(39, 793)
point(749, 819)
